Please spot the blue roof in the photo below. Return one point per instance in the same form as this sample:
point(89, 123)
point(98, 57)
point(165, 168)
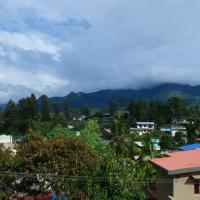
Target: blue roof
point(189, 147)
point(165, 129)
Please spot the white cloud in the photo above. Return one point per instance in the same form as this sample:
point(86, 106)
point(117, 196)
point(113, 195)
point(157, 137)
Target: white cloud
point(13, 81)
point(29, 42)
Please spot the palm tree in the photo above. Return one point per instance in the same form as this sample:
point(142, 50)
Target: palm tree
point(148, 152)
point(121, 142)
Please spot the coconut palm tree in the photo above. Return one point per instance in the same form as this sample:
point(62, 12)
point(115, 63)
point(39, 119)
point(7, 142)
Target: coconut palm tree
point(122, 142)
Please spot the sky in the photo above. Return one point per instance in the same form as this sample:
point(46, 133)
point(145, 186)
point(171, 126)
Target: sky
point(55, 47)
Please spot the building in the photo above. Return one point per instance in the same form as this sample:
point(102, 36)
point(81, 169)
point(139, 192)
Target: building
point(155, 142)
point(6, 140)
point(174, 129)
point(70, 127)
point(178, 176)
point(180, 121)
point(143, 127)
point(79, 118)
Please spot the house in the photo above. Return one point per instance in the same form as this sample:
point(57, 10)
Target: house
point(189, 147)
point(155, 142)
point(180, 121)
point(6, 140)
point(178, 176)
point(79, 118)
point(70, 127)
point(174, 129)
point(107, 117)
point(143, 127)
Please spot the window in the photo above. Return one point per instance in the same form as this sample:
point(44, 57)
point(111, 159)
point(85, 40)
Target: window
point(197, 186)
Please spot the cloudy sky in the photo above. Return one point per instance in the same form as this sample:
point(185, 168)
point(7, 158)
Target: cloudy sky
point(54, 47)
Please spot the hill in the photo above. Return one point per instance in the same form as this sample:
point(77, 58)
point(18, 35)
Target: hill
point(100, 99)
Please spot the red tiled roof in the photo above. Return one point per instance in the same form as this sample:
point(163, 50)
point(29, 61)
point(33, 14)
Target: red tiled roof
point(179, 160)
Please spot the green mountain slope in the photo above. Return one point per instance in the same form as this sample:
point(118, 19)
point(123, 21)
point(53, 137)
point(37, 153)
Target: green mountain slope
point(100, 99)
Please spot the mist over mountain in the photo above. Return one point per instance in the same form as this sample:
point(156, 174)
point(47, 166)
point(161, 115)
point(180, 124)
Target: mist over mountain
point(100, 99)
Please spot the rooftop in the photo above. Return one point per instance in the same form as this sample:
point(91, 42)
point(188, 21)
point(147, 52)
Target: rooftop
point(179, 162)
point(190, 147)
point(146, 123)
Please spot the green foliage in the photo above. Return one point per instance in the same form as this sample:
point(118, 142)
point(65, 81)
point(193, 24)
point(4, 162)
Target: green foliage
point(5, 158)
point(121, 142)
point(27, 111)
point(43, 127)
point(6, 188)
point(177, 107)
point(45, 112)
point(66, 111)
point(91, 135)
point(56, 108)
point(11, 117)
point(138, 110)
point(166, 142)
point(85, 110)
point(6, 162)
point(60, 130)
point(180, 139)
point(191, 135)
point(112, 107)
point(122, 180)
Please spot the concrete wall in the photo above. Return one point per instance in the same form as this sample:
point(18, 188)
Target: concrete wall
point(178, 187)
point(184, 187)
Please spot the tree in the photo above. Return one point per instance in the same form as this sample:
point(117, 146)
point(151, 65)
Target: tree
point(56, 108)
point(166, 142)
point(59, 130)
point(179, 138)
point(122, 102)
point(34, 106)
point(6, 180)
point(66, 111)
point(163, 114)
point(11, 117)
point(152, 110)
point(121, 142)
point(148, 151)
point(85, 110)
point(28, 111)
point(92, 137)
point(191, 134)
point(61, 156)
point(112, 107)
point(45, 115)
point(177, 107)
point(28, 107)
point(124, 182)
point(58, 117)
point(138, 110)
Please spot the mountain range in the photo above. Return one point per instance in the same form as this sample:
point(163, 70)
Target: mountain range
point(100, 99)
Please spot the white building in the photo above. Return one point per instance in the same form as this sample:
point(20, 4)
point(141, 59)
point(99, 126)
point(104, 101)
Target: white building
point(174, 129)
point(6, 140)
point(144, 127)
point(79, 118)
